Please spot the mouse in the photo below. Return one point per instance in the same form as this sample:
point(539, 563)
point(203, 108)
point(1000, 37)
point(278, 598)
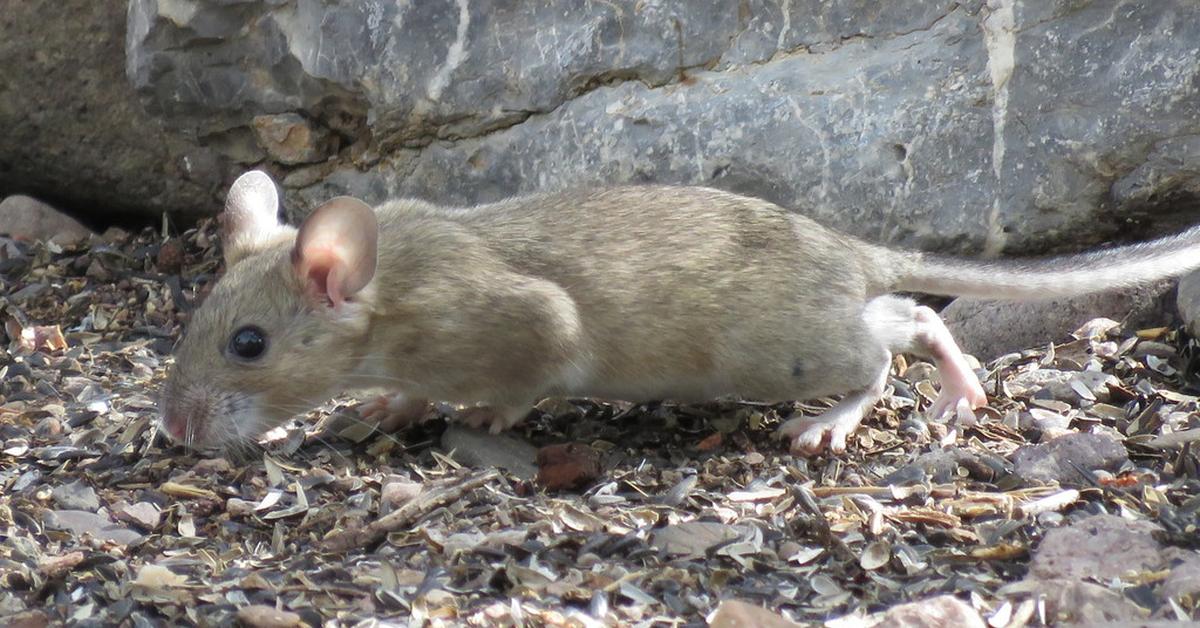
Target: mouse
point(633, 293)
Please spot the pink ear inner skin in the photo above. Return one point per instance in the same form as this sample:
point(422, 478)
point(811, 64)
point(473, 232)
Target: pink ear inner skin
point(335, 251)
point(321, 269)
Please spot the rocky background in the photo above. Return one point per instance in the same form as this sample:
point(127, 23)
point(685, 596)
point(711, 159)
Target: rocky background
point(984, 128)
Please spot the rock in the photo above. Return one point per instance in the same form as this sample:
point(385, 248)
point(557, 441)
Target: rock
point(1067, 386)
point(397, 493)
point(478, 448)
point(145, 515)
point(1062, 459)
point(26, 481)
point(692, 538)
point(170, 256)
point(736, 613)
point(1046, 421)
point(263, 616)
point(26, 218)
point(989, 329)
point(567, 466)
point(1099, 547)
point(1184, 579)
point(936, 612)
point(290, 139)
point(48, 428)
point(886, 121)
point(942, 465)
point(1072, 602)
point(211, 466)
point(76, 132)
point(76, 496)
point(80, 522)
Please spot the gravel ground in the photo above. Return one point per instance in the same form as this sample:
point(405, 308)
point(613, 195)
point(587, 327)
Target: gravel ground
point(1072, 497)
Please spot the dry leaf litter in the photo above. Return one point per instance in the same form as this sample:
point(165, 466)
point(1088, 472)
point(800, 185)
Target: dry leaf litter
point(1071, 498)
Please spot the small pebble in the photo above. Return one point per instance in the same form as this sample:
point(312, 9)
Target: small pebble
point(48, 427)
point(238, 507)
point(170, 256)
point(396, 494)
point(143, 514)
point(211, 466)
point(263, 616)
point(76, 496)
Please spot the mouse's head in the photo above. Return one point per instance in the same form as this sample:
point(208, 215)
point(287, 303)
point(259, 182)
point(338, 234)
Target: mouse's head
point(281, 328)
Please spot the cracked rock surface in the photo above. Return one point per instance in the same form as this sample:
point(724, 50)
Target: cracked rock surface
point(983, 127)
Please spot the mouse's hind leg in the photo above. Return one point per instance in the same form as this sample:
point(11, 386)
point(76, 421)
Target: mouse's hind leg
point(898, 325)
point(906, 327)
point(809, 435)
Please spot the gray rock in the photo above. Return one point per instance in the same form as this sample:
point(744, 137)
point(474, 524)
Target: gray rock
point(942, 465)
point(75, 131)
point(478, 448)
point(1184, 579)
point(145, 515)
point(1042, 419)
point(1066, 386)
point(1077, 603)
point(934, 612)
point(396, 493)
point(98, 526)
point(1064, 458)
point(26, 481)
point(25, 217)
point(693, 538)
point(989, 329)
point(736, 613)
point(76, 496)
point(1099, 546)
point(945, 125)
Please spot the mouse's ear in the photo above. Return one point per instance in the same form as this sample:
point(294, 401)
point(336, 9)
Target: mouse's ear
point(335, 252)
point(251, 216)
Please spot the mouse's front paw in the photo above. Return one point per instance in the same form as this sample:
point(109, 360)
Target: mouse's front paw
point(810, 435)
point(392, 412)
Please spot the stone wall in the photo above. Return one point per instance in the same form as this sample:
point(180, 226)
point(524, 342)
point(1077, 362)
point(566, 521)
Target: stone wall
point(984, 127)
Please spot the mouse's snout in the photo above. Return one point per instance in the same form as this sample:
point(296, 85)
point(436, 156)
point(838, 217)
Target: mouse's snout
point(182, 415)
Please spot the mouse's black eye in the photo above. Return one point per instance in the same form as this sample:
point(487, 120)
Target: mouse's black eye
point(248, 343)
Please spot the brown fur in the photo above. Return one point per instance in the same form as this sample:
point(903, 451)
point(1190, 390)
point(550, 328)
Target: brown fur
point(634, 293)
point(631, 293)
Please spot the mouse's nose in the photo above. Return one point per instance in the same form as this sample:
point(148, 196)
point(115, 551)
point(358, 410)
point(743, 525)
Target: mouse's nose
point(176, 425)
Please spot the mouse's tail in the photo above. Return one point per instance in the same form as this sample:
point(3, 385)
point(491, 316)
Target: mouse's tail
point(1054, 277)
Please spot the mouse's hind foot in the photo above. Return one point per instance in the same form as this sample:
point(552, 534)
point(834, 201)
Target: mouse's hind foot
point(811, 435)
point(961, 390)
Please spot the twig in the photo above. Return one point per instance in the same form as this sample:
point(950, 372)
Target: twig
point(1057, 501)
point(369, 535)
